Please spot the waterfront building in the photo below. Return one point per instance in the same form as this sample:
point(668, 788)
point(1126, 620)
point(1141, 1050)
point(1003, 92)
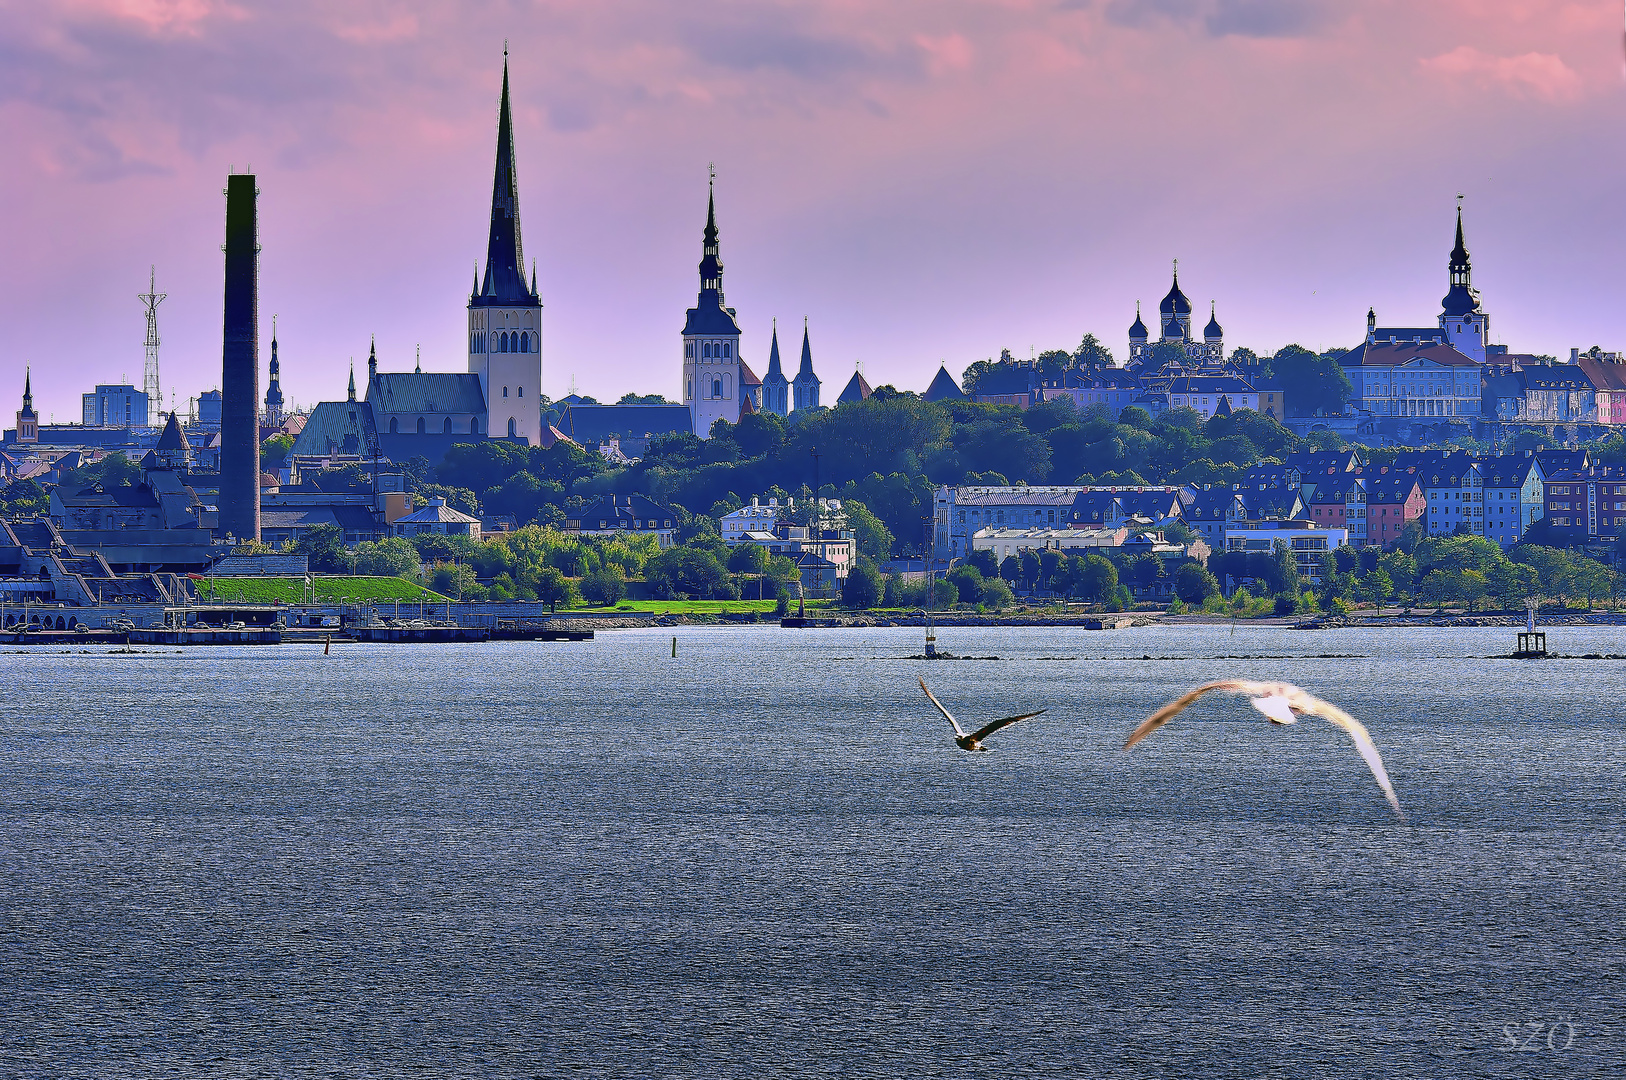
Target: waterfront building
point(1007, 542)
point(1392, 503)
point(436, 518)
point(1514, 496)
point(960, 511)
point(625, 514)
point(1587, 504)
point(1307, 541)
point(1211, 510)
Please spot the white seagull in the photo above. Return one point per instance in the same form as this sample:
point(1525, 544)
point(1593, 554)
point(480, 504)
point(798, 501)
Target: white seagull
point(973, 741)
point(1283, 703)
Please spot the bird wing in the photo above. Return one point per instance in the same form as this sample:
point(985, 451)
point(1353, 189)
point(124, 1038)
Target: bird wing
point(993, 726)
point(1276, 707)
point(1311, 705)
point(958, 730)
point(1178, 706)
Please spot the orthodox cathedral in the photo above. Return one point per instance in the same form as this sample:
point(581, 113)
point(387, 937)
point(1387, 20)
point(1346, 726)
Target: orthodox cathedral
point(1174, 320)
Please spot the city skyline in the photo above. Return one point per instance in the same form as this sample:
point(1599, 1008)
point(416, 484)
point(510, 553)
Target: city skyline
point(865, 178)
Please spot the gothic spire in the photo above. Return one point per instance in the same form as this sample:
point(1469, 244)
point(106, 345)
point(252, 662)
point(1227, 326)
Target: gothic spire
point(352, 395)
point(807, 353)
point(773, 354)
point(28, 389)
point(1463, 298)
point(372, 363)
point(505, 257)
point(711, 265)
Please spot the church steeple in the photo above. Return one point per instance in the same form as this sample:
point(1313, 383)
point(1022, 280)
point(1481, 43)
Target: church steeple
point(773, 353)
point(1463, 298)
point(372, 362)
point(505, 256)
point(711, 264)
point(273, 390)
point(28, 390)
point(28, 421)
point(352, 394)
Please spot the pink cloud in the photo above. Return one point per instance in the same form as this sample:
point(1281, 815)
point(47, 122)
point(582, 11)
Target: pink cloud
point(1542, 76)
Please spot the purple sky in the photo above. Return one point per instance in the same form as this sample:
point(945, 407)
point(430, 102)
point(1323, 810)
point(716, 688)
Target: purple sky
point(922, 179)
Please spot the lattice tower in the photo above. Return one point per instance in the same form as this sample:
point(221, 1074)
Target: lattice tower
point(149, 382)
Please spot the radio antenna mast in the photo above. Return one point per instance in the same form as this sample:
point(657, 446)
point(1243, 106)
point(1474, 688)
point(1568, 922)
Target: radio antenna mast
point(152, 298)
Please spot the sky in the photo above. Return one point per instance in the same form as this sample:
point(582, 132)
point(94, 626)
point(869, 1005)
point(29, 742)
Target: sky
point(923, 181)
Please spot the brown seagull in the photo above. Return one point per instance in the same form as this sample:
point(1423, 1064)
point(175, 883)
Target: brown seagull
point(973, 741)
point(1283, 703)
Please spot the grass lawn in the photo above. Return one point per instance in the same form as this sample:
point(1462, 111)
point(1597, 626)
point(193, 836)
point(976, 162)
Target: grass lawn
point(705, 607)
point(287, 590)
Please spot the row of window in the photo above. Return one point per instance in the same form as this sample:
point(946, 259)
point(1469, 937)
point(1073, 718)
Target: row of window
point(505, 341)
point(520, 394)
point(423, 426)
point(710, 350)
point(637, 523)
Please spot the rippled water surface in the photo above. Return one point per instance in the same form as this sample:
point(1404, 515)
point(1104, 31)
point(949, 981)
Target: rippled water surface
point(766, 857)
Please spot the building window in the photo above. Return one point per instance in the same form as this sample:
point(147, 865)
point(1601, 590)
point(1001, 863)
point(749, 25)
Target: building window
point(513, 430)
point(505, 391)
point(395, 425)
point(474, 425)
point(521, 392)
point(716, 388)
point(728, 350)
point(448, 426)
point(422, 427)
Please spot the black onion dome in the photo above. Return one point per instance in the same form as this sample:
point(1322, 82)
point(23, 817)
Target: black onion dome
point(1175, 303)
point(1137, 329)
point(1212, 330)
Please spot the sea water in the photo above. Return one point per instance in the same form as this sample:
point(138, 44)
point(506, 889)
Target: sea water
point(765, 856)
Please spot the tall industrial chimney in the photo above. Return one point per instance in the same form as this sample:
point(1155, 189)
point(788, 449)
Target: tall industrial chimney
point(240, 365)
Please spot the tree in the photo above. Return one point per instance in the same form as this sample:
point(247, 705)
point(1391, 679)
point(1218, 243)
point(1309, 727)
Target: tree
point(873, 538)
point(967, 583)
point(996, 594)
point(274, 452)
point(1193, 584)
point(747, 559)
point(685, 571)
point(323, 546)
point(1098, 579)
point(1285, 571)
point(862, 587)
point(1311, 384)
point(553, 587)
point(606, 585)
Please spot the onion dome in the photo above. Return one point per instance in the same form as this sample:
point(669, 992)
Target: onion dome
point(1212, 331)
point(1137, 329)
point(1175, 303)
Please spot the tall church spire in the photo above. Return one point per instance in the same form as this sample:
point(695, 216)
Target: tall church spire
point(711, 265)
point(1463, 298)
point(352, 394)
point(807, 354)
point(505, 256)
point(773, 354)
point(28, 389)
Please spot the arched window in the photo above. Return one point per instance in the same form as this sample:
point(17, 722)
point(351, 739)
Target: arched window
point(728, 350)
point(474, 426)
point(422, 427)
point(705, 350)
point(525, 343)
point(521, 392)
point(688, 350)
point(505, 391)
point(513, 431)
point(716, 388)
point(395, 425)
point(503, 345)
point(448, 428)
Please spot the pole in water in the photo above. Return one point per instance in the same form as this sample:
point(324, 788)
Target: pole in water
point(674, 646)
point(327, 645)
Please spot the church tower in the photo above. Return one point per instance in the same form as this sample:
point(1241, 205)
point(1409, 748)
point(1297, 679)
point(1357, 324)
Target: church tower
point(1466, 327)
point(711, 341)
point(273, 391)
point(505, 314)
point(775, 387)
point(805, 387)
point(28, 421)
